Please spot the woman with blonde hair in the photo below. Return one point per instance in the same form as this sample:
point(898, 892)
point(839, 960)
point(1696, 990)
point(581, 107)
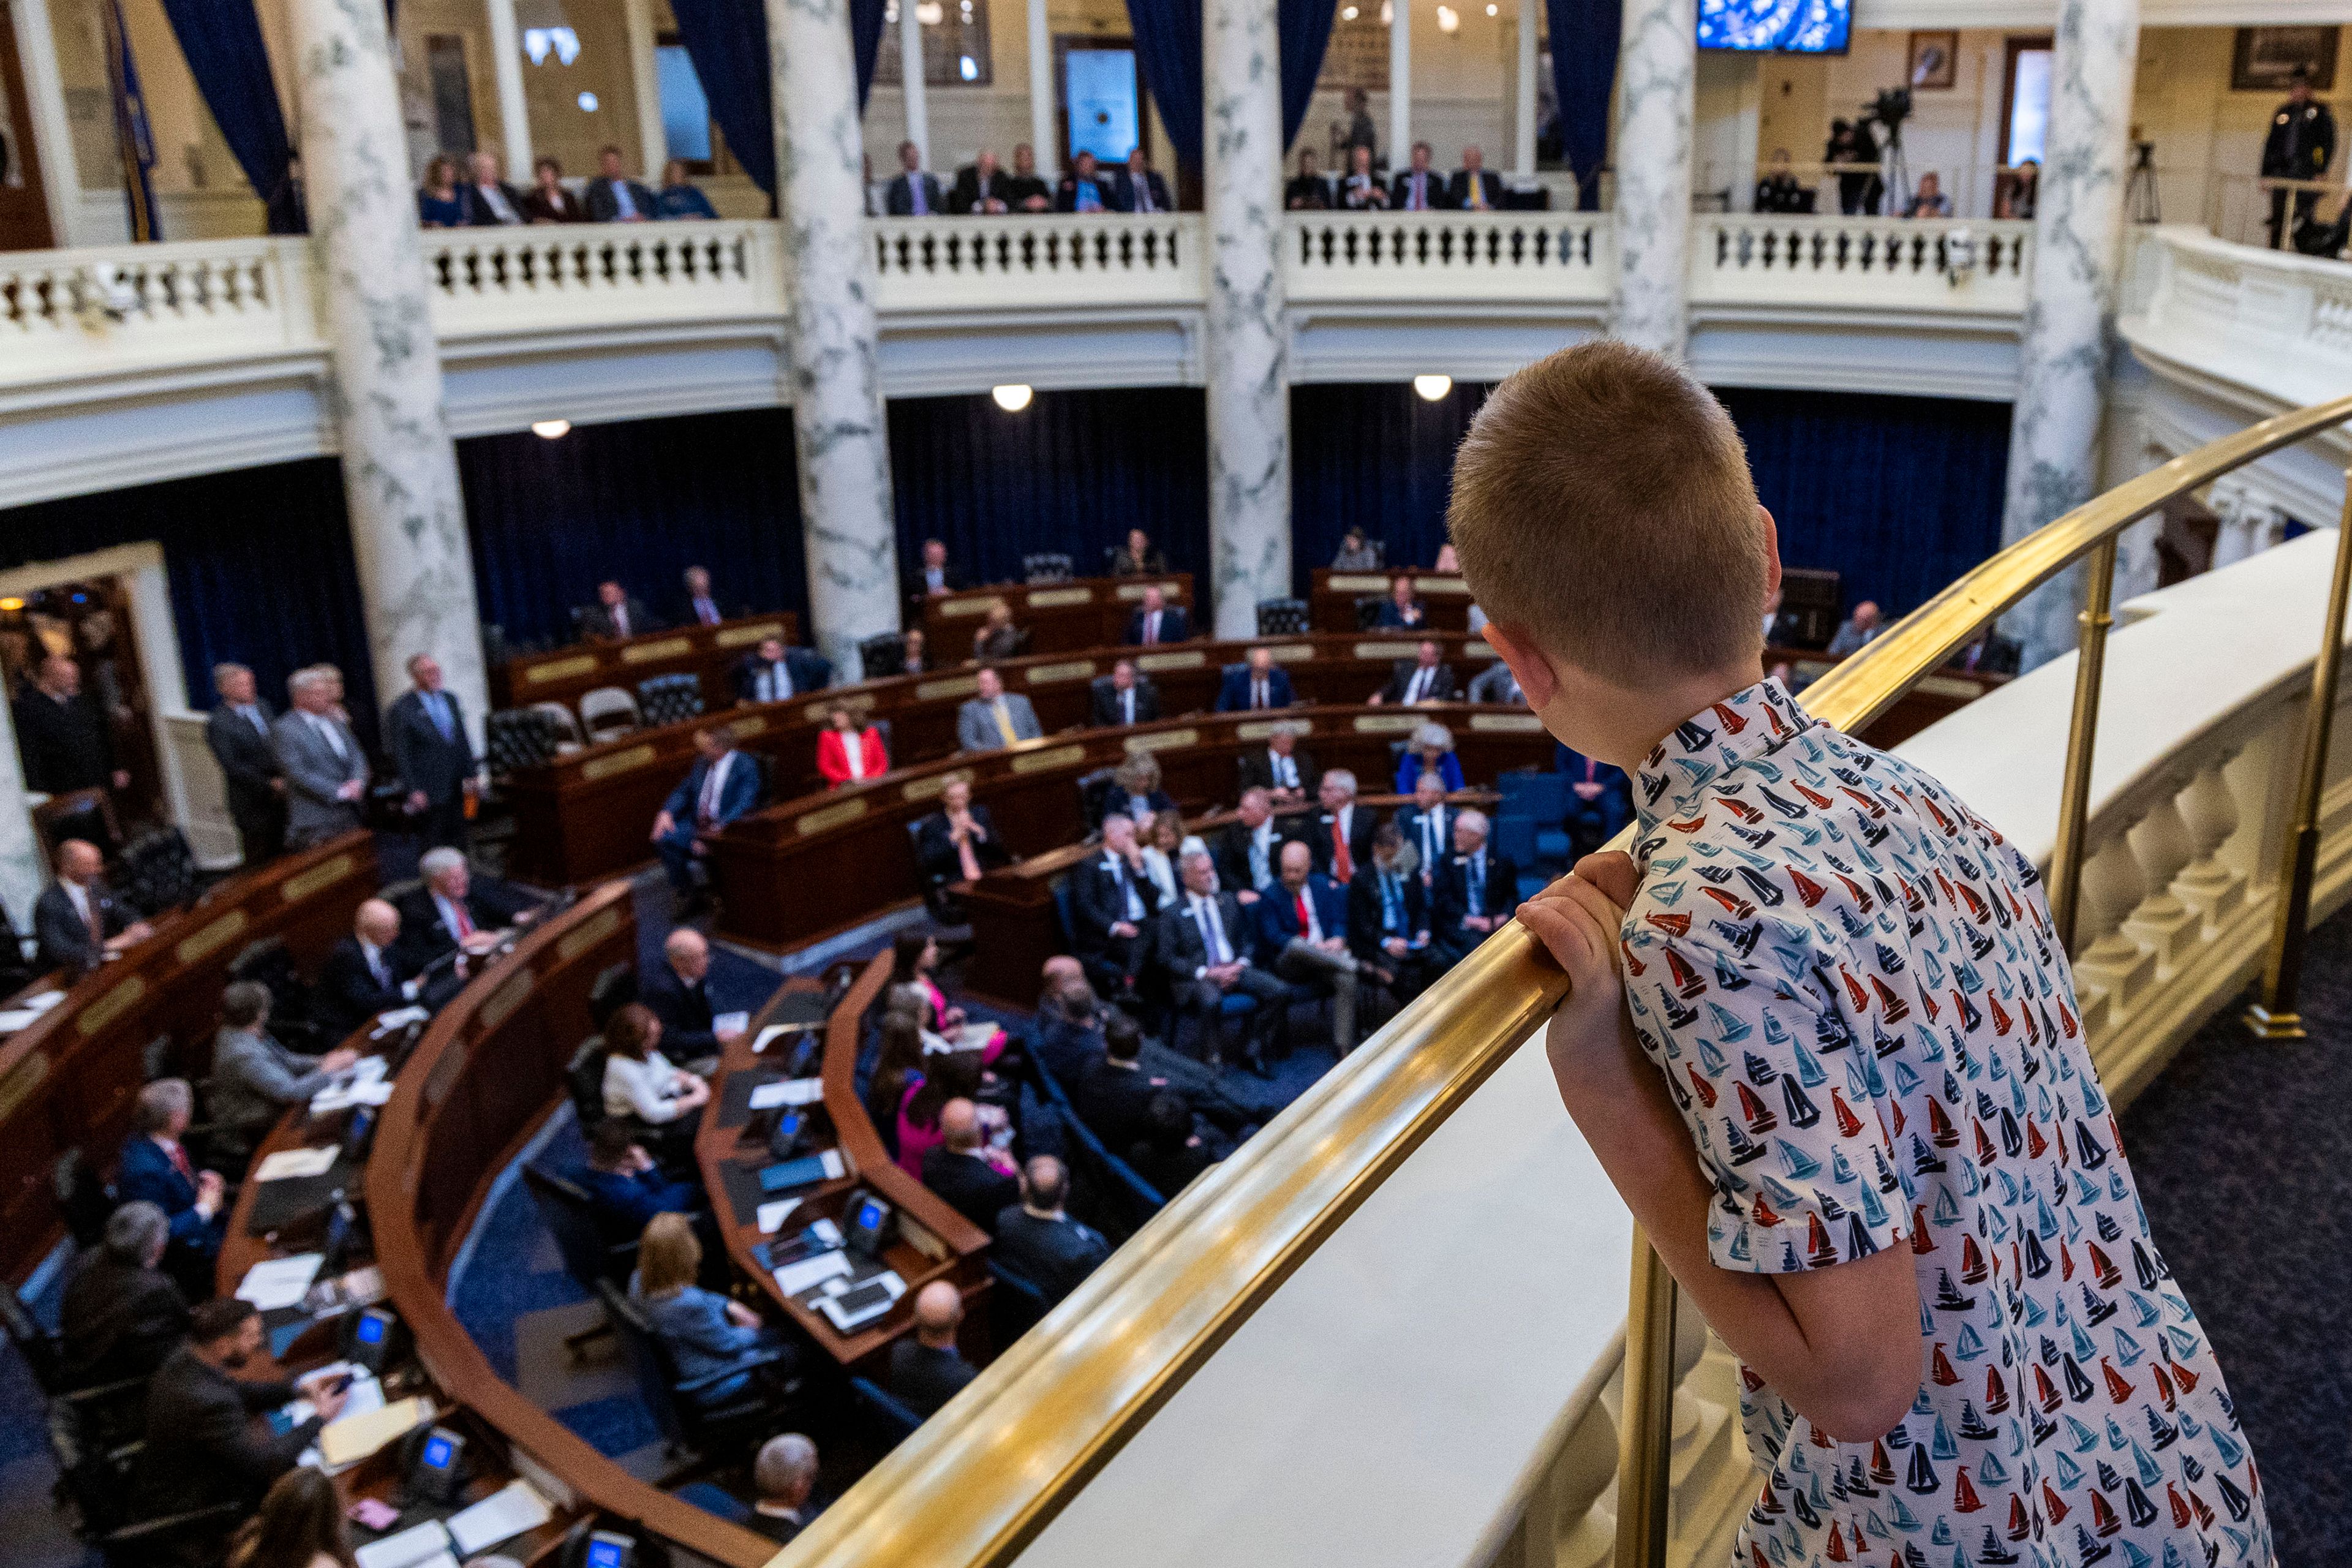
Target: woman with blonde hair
point(707, 1335)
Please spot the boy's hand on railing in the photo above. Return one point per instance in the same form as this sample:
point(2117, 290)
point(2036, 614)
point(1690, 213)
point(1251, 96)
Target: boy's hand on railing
point(1577, 921)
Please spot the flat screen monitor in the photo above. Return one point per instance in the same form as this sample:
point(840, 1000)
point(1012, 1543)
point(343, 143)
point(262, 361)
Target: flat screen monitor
point(1105, 113)
point(1791, 27)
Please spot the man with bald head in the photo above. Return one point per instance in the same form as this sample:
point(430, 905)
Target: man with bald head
point(1038, 1240)
point(784, 1478)
point(976, 1181)
point(78, 923)
point(65, 739)
point(678, 989)
point(366, 973)
point(926, 1368)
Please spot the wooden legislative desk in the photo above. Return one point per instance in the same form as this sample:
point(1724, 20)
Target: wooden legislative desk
point(932, 1241)
point(587, 814)
point(1331, 605)
point(69, 1078)
point(800, 871)
point(562, 674)
point(1060, 617)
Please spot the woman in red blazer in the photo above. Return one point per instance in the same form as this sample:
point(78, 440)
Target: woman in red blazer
point(849, 752)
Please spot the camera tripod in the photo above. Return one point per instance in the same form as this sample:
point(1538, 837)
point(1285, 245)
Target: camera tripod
point(2142, 201)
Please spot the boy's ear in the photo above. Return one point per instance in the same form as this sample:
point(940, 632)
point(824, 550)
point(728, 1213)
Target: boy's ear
point(1533, 667)
point(1772, 552)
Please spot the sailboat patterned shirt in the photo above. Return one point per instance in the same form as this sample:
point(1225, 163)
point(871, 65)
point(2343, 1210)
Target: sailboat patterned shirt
point(1852, 985)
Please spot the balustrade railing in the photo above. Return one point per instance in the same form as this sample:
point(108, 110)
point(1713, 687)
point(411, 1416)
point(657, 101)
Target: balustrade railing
point(1915, 264)
point(1344, 256)
point(487, 281)
point(2279, 322)
point(1082, 259)
point(80, 310)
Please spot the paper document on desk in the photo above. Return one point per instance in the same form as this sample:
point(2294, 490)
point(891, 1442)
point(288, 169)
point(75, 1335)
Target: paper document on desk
point(365, 1395)
point(351, 1438)
point(417, 1548)
point(809, 1273)
point(790, 1091)
point(504, 1514)
point(375, 1090)
point(281, 1281)
point(731, 1023)
point(16, 1019)
point(771, 1215)
point(398, 1018)
point(287, 1163)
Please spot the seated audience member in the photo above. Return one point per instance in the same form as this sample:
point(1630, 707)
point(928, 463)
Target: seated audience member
point(1285, 773)
point(849, 751)
point(2016, 194)
point(926, 1368)
point(1122, 697)
point(1425, 677)
point(774, 673)
point(1778, 191)
point(1139, 557)
point(1111, 905)
point(1497, 684)
point(1113, 1093)
point(551, 201)
point(1260, 683)
point(1429, 750)
point(1302, 924)
point(1340, 835)
point(678, 196)
point(976, 1179)
point(326, 769)
point(1249, 850)
point(256, 1079)
point(898, 1065)
point(488, 200)
point(449, 914)
point(1388, 920)
point(237, 732)
point(1135, 789)
point(981, 187)
point(1309, 191)
point(1448, 561)
point(722, 785)
point(1038, 1240)
point(914, 652)
point(1141, 188)
point(1157, 621)
point(438, 204)
point(997, 638)
point(1024, 190)
point(1989, 653)
point(154, 1168)
point(915, 964)
point(1160, 835)
point(994, 718)
point(1084, 189)
point(1473, 187)
point(616, 614)
point(1206, 943)
point(701, 604)
point(1404, 608)
point(1171, 1151)
point(301, 1524)
point(1068, 1032)
point(627, 1188)
point(639, 1081)
point(946, 1075)
point(1780, 627)
point(677, 990)
point(933, 576)
point(75, 921)
point(784, 1482)
point(1359, 189)
point(1929, 200)
point(1427, 825)
point(1418, 187)
point(120, 1314)
point(204, 1445)
point(958, 842)
point(1355, 553)
point(612, 197)
point(1860, 629)
point(1476, 891)
point(1600, 802)
point(707, 1334)
point(912, 193)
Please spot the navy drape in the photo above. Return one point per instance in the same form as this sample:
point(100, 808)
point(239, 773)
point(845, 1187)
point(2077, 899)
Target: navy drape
point(728, 42)
point(1584, 37)
point(1374, 456)
point(1306, 26)
point(222, 40)
point(1168, 49)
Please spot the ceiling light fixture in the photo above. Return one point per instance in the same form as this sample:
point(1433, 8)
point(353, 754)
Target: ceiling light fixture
point(551, 429)
point(1448, 20)
point(1432, 388)
point(1013, 396)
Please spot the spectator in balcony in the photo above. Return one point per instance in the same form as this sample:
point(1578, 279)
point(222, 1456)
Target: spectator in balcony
point(1860, 629)
point(998, 637)
point(679, 197)
point(1354, 553)
point(551, 200)
point(1083, 189)
point(1404, 608)
point(1472, 187)
point(490, 201)
point(849, 749)
point(1156, 620)
point(981, 187)
point(439, 206)
point(1139, 557)
point(1357, 130)
point(913, 193)
point(1420, 188)
point(1929, 200)
point(2301, 146)
point(1023, 191)
point(1778, 191)
point(1858, 194)
point(288, 207)
point(2019, 192)
point(1310, 191)
point(1359, 188)
point(1141, 188)
point(612, 197)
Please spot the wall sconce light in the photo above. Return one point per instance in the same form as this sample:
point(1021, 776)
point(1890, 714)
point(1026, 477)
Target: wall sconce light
point(1432, 388)
point(551, 429)
point(1013, 396)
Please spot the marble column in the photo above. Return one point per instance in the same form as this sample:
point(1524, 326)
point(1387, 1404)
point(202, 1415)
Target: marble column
point(1656, 94)
point(21, 872)
point(400, 467)
point(838, 428)
point(913, 84)
point(1248, 342)
point(514, 107)
point(2068, 331)
point(1523, 122)
point(1400, 84)
point(1045, 133)
point(644, 72)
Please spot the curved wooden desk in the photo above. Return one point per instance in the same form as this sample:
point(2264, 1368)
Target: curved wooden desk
point(708, 653)
point(1331, 603)
point(1060, 617)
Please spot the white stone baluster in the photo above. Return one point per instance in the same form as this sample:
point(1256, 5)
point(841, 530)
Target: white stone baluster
point(2210, 884)
point(2167, 923)
point(2112, 887)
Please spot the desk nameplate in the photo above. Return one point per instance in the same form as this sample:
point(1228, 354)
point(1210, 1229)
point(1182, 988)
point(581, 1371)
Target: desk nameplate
point(325, 874)
point(647, 652)
point(560, 669)
point(745, 636)
point(1038, 761)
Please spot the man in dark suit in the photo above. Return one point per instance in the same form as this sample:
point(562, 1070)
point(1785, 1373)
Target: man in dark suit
point(1782, 627)
point(1208, 946)
point(487, 200)
point(981, 187)
point(366, 973)
point(1473, 188)
point(448, 914)
point(154, 1168)
point(75, 921)
point(1388, 920)
point(960, 1170)
point(702, 607)
point(1111, 905)
point(1141, 188)
point(926, 1368)
point(1084, 189)
point(1600, 801)
point(958, 842)
point(424, 731)
point(783, 1478)
point(1281, 768)
point(612, 197)
point(775, 673)
point(722, 785)
point(678, 989)
point(121, 1315)
point(1157, 621)
point(1419, 188)
point(932, 576)
point(1122, 697)
point(1988, 653)
point(1404, 609)
point(203, 1443)
point(1476, 891)
point(237, 732)
point(1425, 677)
point(63, 737)
point(1341, 836)
point(912, 193)
point(1039, 1241)
point(1024, 191)
point(1139, 557)
point(626, 1188)
point(1249, 851)
point(1113, 1094)
point(1302, 923)
point(615, 615)
point(1310, 191)
point(1257, 684)
point(1428, 827)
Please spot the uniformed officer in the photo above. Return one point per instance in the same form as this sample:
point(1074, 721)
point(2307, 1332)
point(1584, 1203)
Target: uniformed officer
point(2301, 146)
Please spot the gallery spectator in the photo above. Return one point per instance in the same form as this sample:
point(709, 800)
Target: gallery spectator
point(490, 201)
point(1141, 188)
point(1858, 193)
point(1309, 191)
point(1928, 200)
point(1778, 191)
point(1083, 189)
point(1420, 188)
point(1473, 188)
point(1025, 191)
point(679, 198)
point(1359, 188)
point(551, 200)
point(2018, 194)
point(612, 197)
point(980, 186)
point(912, 193)
point(439, 206)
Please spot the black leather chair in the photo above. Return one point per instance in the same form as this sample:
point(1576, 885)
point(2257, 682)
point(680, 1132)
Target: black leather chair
point(886, 1420)
point(583, 1079)
point(588, 1257)
point(882, 655)
point(99, 1477)
point(84, 1195)
point(1017, 1304)
point(157, 871)
point(1281, 617)
point(615, 988)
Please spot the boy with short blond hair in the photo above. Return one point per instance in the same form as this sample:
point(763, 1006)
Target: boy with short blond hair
point(1823, 1038)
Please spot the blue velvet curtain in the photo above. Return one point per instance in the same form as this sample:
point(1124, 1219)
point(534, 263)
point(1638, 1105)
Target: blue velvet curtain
point(1306, 27)
point(639, 502)
point(222, 40)
point(728, 42)
point(1375, 457)
point(1168, 49)
point(260, 567)
point(1071, 473)
point(1584, 37)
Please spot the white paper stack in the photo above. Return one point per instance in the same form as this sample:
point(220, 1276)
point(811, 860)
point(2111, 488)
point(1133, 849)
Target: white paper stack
point(790, 1091)
point(793, 1278)
point(281, 1281)
point(504, 1514)
point(366, 1085)
point(398, 1018)
point(288, 1163)
point(424, 1546)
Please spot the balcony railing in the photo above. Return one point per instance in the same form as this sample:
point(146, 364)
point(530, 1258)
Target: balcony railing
point(958, 263)
point(1338, 256)
point(1859, 263)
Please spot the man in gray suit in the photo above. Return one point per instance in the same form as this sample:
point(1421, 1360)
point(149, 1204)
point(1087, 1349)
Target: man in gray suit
point(326, 772)
point(993, 721)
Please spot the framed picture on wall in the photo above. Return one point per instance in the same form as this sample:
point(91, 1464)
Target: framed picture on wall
point(2266, 58)
point(1935, 61)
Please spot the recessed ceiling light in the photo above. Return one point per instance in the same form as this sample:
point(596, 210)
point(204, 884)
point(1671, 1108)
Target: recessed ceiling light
point(551, 429)
point(1433, 388)
point(1013, 396)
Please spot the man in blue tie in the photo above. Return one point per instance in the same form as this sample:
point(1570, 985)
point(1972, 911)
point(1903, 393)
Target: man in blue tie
point(426, 732)
point(1388, 920)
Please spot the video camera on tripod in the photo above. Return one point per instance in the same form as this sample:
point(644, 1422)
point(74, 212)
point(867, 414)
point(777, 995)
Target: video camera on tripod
point(1889, 110)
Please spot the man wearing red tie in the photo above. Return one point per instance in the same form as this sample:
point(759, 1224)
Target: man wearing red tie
point(701, 609)
point(1342, 840)
point(1421, 188)
point(1157, 621)
point(449, 913)
point(1303, 922)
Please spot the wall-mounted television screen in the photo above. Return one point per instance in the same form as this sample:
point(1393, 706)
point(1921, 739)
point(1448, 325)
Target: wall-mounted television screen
point(1791, 27)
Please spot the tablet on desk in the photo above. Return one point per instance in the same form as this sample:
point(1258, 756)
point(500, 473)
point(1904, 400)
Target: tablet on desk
point(805, 1172)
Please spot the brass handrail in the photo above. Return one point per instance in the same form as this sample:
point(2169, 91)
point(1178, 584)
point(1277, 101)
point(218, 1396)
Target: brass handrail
point(977, 1482)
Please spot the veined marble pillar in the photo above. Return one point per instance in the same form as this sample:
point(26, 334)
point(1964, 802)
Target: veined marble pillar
point(838, 426)
point(514, 107)
point(1045, 139)
point(2068, 333)
point(1523, 123)
point(1248, 341)
point(1656, 96)
point(21, 873)
point(1399, 85)
point(913, 83)
point(400, 467)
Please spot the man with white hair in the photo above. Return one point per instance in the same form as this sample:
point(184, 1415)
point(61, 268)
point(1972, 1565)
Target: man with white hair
point(237, 733)
point(1112, 901)
point(783, 1478)
point(326, 771)
point(366, 973)
point(449, 913)
point(1476, 891)
point(678, 989)
point(1342, 835)
point(424, 731)
point(1206, 944)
